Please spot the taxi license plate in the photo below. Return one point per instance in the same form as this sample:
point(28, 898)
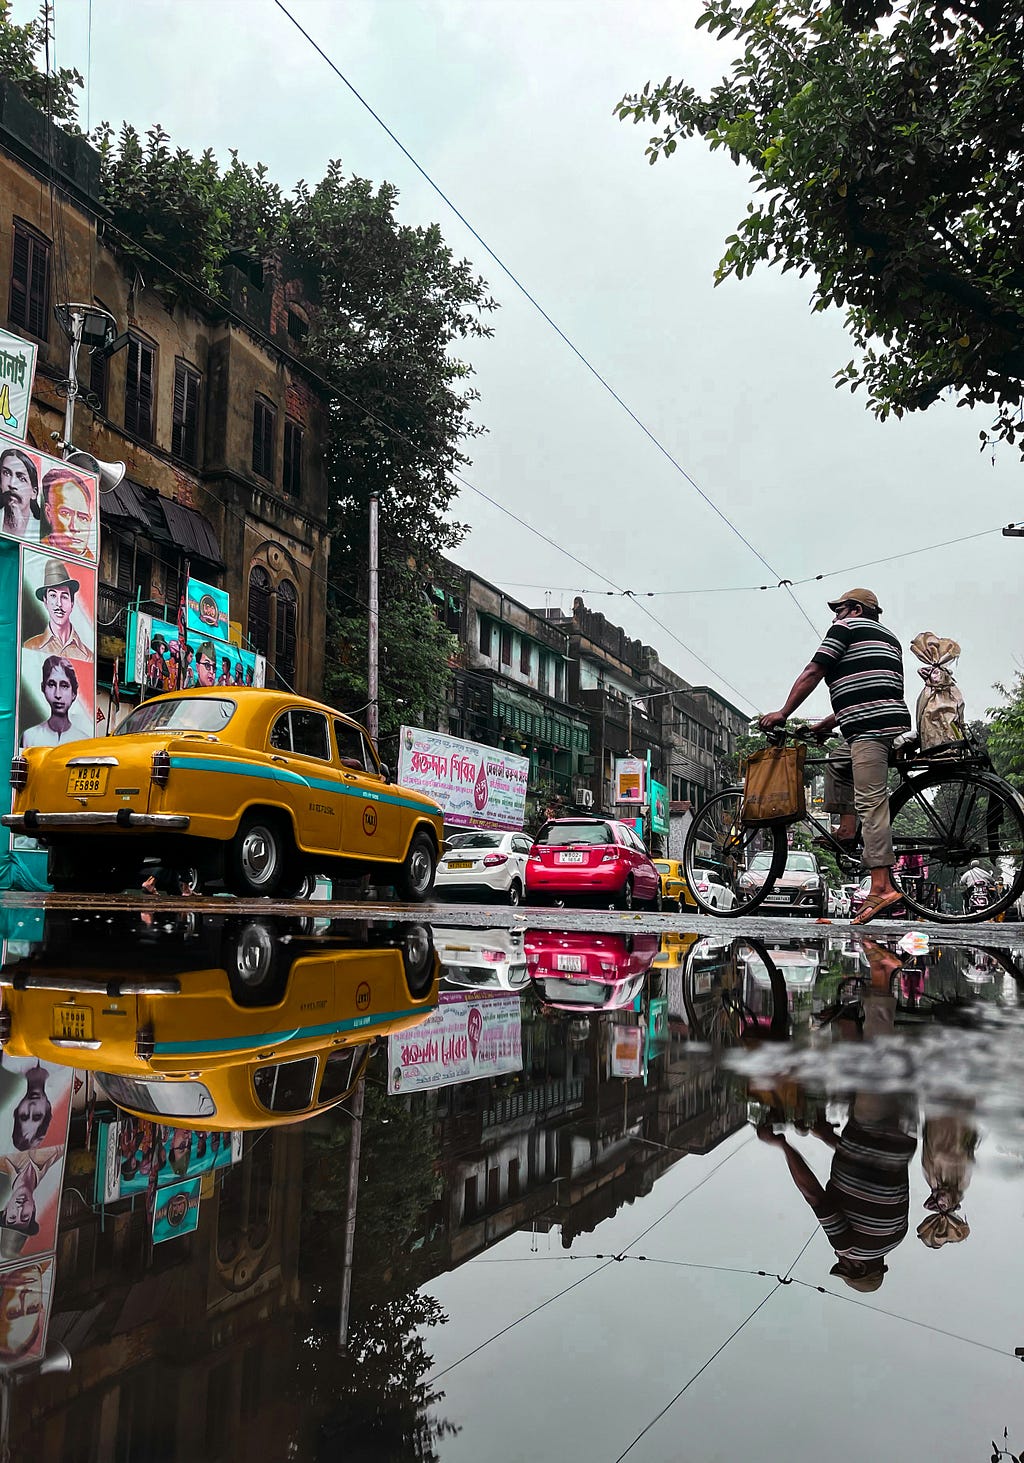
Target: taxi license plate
point(571, 858)
point(571, 964)
point(72, 1023)
point(84, 782)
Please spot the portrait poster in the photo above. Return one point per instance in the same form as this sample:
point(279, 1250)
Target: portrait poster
point(57, 699)
point(26, 1295)
point(176, 1211)
point(44, 501)
point(35, 1109)
point(129, 1150)
point(17, 373)
point(21, 472)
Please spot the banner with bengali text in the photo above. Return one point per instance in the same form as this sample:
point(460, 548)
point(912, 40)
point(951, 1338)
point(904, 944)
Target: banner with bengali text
point(476, 786)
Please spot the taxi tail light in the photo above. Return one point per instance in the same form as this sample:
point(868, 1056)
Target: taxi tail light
point(491, 859)
point(160, 769)
point(19, 772)
point(144, 1043)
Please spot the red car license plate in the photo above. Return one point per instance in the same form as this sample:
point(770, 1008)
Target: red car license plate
point(571, 858)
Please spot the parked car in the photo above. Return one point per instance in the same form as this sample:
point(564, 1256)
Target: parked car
point(254, 789)
point(219, 1023)
point(587, 972)
point(483, 862)
point(712, 888)
point(482, 959)
point(838, 902)
point(799, 889)
point(674, 888)
point(597, 861)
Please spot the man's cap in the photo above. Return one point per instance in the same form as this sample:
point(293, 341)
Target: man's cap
point(858, 597)
point(56, 576)
point(158, 642)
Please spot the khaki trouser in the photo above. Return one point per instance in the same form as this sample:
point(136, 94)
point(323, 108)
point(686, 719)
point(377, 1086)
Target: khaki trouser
point(856, 779)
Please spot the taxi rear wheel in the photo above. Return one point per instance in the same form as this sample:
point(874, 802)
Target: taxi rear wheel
point(416, 876)
point(418, 959)
point(259, 856)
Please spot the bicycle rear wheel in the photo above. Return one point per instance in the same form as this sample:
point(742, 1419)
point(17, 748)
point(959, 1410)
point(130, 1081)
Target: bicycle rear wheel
point(719, 840)
point(947, 819)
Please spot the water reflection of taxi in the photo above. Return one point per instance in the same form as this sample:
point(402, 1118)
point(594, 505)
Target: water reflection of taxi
point(271, 1030)
point(672, 949)
point(256, 788)
point(575, 971)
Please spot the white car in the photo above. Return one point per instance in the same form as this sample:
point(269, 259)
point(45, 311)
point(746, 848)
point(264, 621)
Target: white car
point(483, 861)
point(711, 888)
point(482, 959)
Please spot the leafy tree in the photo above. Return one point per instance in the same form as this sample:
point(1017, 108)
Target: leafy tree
point(1006, 732)
point(887, 161)
point(20, 48)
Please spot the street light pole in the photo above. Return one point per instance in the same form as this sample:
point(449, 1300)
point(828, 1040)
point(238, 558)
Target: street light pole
point(372, 669)
point(77, 322)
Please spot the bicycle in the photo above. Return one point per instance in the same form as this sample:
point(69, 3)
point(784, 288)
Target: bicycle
point(946, 807)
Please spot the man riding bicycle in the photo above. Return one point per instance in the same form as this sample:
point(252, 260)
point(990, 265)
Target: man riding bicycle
point(861, 662)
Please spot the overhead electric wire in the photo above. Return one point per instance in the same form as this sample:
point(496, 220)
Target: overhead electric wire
point(709, 501)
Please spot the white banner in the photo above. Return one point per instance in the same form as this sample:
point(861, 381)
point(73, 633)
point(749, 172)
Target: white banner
point(477, 787)
point(17, 371)
point(471, 1034)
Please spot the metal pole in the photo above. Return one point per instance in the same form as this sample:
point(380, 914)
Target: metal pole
point(77, 324)
point(354, 1152)
point(372, 670)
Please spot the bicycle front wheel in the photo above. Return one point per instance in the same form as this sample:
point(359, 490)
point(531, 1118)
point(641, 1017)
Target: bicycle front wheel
point(943, 820)
point(746, 860)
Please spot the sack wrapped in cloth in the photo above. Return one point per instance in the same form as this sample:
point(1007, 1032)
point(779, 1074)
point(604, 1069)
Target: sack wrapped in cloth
point(940, 706)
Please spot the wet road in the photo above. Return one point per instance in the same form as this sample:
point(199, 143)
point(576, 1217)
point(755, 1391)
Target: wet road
point(461, 1183)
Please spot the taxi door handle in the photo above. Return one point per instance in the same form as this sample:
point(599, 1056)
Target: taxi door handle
point(283, 760)
point(351, 777)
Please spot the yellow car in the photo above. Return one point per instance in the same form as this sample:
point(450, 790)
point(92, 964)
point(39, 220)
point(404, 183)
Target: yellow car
point(674, 888)
point(219, 1023)
point(252, 788)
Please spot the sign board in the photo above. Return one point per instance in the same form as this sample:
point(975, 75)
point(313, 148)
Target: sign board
point(132, 1152)
point(151, 658)
point(207, 609)
point(627, 1051)
point(629, 779)
point(17, 372)
point(659, 807)
point(476, 786)
point(471, 1034)
point(176, 1210)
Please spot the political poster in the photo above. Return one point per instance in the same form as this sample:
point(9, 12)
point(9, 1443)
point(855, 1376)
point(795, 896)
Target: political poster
point(207, 609)
point(476, 786)
point(152, 658)
point(471, 1034)
point(17, 373)
point(133, 1154)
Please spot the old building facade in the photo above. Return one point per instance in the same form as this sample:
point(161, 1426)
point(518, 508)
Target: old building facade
point(219, 424)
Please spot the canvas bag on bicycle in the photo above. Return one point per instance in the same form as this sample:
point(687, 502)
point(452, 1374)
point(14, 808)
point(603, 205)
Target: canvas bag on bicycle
point(940, 706)
point(773, 786)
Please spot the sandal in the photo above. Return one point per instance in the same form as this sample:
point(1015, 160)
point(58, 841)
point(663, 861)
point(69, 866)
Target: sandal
point(874, 904)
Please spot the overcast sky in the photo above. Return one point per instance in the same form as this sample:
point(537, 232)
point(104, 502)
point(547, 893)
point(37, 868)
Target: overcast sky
point(508, 105)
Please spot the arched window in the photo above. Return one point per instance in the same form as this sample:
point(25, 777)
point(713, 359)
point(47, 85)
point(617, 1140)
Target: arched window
point(259, 610)
point(284, 641)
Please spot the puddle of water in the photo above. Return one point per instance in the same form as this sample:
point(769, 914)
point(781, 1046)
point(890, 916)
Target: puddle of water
point(391, 1190)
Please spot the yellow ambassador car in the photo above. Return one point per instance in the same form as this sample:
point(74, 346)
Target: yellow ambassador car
point(674, 888)
point(219, 1023)
point(252, 788)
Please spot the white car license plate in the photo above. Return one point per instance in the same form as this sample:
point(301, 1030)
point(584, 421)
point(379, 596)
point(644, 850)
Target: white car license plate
point(571, 964)
point(571, 858)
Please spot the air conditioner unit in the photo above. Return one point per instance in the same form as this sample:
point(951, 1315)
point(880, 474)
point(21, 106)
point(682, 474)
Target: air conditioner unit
point(585, 797)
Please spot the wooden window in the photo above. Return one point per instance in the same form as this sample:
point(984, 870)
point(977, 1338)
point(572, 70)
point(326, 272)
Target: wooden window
point(185, 418)
point(292, 481)
point(284, 639)
point(139, 389)
point(298, 329)
point(263, 419)
point(485, 636)
point(524, 656)
point(259, 610)
point(506, 645)
point(30, 280)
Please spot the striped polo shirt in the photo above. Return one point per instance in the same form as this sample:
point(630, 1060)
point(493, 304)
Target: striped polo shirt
point(863, 665)
point(866, 1208)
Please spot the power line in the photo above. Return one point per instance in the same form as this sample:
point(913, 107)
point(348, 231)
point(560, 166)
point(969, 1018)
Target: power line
point(540, 309)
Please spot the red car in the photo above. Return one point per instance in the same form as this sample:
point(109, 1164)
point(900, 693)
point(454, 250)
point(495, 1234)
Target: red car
point(594, 860)
point(586, 972)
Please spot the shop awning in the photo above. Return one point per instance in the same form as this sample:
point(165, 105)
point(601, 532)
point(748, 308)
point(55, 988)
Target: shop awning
point(537, 721)
point(162, 520)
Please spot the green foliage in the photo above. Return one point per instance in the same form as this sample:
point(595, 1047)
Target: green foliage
point(21, 47)
point(887, 166)
point(1006, 732)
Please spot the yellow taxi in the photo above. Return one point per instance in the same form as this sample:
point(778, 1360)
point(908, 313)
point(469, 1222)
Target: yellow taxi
point(254, 789)
point(672, 949)
point(221, 1023)
point(674, 888)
